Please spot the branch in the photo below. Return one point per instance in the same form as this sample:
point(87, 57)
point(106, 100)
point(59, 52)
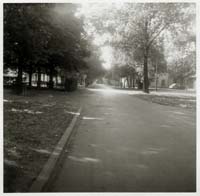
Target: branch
point(150, 42)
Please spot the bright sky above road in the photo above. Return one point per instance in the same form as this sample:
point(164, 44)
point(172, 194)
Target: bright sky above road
point(89, 10)
point(105, 50)
point(107, 56)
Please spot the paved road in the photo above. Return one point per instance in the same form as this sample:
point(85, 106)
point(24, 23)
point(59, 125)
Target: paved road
point(124, 144)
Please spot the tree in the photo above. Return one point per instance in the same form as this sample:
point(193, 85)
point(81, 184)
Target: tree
point(40, 37)
point(145, 23)
point(181, 52)
point(67, 46)
point(24, 37)
point(183, 65)
point(137, 28)
point(94, 68)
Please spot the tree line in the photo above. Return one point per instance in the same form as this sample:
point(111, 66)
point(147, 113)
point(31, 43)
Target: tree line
point(44, 38)
point(138, 32)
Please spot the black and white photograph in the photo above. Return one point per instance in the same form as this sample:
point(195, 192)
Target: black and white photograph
point(99, 96)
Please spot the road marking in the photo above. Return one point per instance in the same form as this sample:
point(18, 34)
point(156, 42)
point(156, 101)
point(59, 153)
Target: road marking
point(91, 118)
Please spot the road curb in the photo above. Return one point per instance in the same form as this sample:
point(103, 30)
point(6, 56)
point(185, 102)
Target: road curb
point(48, 168)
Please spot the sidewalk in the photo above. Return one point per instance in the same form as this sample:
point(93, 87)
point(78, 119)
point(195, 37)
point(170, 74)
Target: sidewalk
point(175, 92)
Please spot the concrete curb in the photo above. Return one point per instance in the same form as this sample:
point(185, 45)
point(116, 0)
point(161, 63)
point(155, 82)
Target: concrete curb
point(47, 170)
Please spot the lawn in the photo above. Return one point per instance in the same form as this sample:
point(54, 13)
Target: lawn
point(176, 100)
point(33, 124)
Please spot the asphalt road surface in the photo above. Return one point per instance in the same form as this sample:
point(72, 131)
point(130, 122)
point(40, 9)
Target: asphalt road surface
point(124, 144)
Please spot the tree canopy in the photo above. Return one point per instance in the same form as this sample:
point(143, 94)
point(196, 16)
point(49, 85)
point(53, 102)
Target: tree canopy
point(42, 37)
point(46, 38)
point(137, 31)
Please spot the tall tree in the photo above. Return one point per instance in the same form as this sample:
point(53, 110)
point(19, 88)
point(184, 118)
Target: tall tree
point(94, 64)
point(145, 23)
point(25, 37)
point(40, 37)
point(137, 27)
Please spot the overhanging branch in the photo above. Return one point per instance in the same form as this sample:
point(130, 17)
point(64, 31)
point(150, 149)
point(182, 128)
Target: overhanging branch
point(159, 32)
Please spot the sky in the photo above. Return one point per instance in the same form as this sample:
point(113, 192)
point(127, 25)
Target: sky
point(89, 10)
point(107, 56)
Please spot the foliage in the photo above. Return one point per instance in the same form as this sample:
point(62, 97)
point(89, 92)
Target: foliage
point(42, 37)
point(94, 65)
point(181, 53)
point(50, 37)
point(145, 23)
point(138, 31)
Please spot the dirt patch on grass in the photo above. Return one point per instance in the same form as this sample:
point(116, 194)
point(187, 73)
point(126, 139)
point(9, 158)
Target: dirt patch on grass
point(32, 127)
point(176, 101)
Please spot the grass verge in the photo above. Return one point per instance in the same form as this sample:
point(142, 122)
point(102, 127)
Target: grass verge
point(33, 125)
point(188, 102)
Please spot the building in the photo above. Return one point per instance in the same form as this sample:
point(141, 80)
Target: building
point(163, 81)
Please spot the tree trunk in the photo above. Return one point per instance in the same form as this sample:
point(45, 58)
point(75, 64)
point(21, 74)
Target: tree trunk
point(133, 84)
point(20, 74)
point(62, 80)
point(19, 86)
point(128, 82)
point(30, 78)
point(51, 79)
point(146, 79)
point(57, 80)
point(132, 81)
point(39, 78)
point(145, 68)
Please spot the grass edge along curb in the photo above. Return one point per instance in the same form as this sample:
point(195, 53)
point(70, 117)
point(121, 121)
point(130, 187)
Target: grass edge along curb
point(46, 171)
